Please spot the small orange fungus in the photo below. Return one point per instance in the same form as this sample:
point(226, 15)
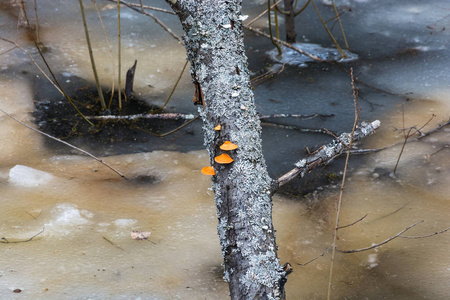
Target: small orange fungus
point(223, 159)
point(208, 171)
point(228, 146)
point(218, 127)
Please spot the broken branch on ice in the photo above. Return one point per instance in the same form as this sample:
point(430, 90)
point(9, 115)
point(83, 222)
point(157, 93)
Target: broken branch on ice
point(325, 153)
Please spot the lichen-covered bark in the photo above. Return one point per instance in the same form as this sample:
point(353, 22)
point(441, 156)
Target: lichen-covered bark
point(214, 43)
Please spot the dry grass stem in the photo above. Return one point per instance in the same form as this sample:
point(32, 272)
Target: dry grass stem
point(339, 204)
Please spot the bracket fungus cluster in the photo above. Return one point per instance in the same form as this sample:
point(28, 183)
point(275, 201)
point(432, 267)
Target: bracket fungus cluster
point(223, 158)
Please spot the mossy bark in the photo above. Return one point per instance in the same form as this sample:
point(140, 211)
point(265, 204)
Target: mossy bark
point(215, 49)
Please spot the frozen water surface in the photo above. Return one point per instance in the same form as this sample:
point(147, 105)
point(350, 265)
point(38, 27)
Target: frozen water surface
point(70, 237)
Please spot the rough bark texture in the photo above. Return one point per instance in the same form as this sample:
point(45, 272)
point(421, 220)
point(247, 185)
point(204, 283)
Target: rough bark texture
point(215, 49)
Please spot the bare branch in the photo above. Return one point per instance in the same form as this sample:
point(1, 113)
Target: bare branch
point(180, 116)
point(325, 153)
point(425, 236)
point(168, 116)
point(434, 130)
point(305, 117)
point(382, 243)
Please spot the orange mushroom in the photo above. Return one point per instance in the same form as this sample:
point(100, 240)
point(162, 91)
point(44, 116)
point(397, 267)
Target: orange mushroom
point(223, 159)
point(208, 171)
point(218, 127)
point(227, 146)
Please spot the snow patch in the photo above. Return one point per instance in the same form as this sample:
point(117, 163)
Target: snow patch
point(28, 177)
point(124, 222)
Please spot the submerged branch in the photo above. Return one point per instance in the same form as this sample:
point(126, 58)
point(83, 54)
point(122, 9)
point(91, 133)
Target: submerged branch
point(315, 258)
point(180, 116)
point(6, 241)
point(351, 224)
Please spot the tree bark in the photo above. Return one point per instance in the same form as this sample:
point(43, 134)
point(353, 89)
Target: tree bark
point(215, 49)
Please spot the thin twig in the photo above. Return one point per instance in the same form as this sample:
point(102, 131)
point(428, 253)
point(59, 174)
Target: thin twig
point(158, 21)
point(65, 143)
point(339, 205)
point(6, 241)
point(269, 74)
point(91, 56)
point(38, 39)
point(408, 135)
point(262, 14)
point(269, 19)
point(60, 89)
point(340, 25)
point(359, 220)
point(391, 213)
point(167, 116)
point(440, 126)
point(110, 53)
point(425, 236)
point(292, 127)
point(382, 243)
point(284, 43)
point(336, 44)
point(304, 117)
point(172, 131)
point(401, 151)
point(119, 56)
point(315, 258)
point(115, 245)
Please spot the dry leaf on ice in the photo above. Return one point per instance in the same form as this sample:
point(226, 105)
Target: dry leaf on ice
point(140, 235)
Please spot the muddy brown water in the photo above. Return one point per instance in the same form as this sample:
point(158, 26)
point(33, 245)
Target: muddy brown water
point(86, 212)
